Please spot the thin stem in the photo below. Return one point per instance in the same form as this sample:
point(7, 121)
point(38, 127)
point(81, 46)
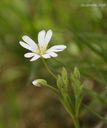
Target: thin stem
point(53, 88)
point(60, 62)
point(48, 69)
point(74, 118)
point(76, 122)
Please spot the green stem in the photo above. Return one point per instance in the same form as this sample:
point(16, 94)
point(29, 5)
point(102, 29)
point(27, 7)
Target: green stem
point(49, 69)
point(60, 62)
point(74, 119)
point(53, 88)
point(76, 122)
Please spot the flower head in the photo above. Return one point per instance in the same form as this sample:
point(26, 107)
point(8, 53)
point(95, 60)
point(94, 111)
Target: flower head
point(40, 49)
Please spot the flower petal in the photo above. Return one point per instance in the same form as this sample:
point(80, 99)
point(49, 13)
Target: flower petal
point(36, 56)
point(29, 55)
point(24, 45)
point(52, 54)
point(56, 48)
point(41, 37)
point(30, 42)
point(46, 56)
point(48, 36)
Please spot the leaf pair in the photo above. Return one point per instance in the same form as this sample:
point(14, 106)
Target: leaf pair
point(64, 83)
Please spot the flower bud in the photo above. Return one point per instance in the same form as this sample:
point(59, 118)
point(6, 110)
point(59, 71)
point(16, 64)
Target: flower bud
point(39, 82)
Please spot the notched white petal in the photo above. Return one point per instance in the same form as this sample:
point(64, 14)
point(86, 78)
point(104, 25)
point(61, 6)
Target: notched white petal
point(48, 36)
point(29, 55)
point(30, 42)
point(52, 54)
point(24, 45)
point(56, 48)
point(41, 37)
point(36, 56)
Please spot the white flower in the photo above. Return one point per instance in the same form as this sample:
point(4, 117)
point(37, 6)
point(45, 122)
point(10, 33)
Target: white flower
point(40, 49)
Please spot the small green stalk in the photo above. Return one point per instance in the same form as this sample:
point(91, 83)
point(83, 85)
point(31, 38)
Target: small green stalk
point(52, 88)
point(44, 62)
point(62, 82)
point(75, 121)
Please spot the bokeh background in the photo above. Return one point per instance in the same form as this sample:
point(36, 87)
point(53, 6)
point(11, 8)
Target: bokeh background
point(83, 28)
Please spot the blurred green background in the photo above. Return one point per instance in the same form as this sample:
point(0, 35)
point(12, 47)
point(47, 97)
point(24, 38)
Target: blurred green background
point(83, 28)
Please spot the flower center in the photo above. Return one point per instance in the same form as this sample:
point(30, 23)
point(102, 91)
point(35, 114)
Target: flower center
point(40, 50)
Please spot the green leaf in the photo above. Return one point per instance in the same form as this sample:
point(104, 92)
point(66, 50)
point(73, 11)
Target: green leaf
point(77, 87)
point(64, 74)
point(76, 73)
point(64, 77)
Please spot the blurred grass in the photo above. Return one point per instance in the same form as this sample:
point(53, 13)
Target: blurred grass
point(82, 29)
